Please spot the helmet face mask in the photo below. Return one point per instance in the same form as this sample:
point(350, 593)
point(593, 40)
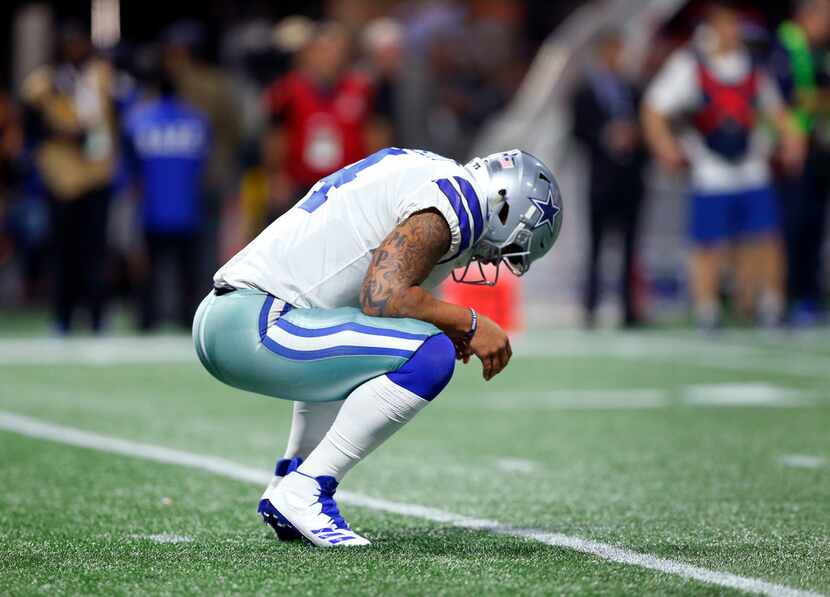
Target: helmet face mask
point(524, 219)
point(516, 255)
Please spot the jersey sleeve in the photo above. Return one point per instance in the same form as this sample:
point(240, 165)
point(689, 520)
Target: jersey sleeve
point(435, 194)
point(675, 88)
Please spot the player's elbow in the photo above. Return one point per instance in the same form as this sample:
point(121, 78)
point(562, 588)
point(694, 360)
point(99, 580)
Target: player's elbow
point(396, 302)
point(368, 306)
point(378, 301)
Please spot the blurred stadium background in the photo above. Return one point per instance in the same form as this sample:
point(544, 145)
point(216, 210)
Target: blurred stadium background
point(706, 455)
point(459, 78)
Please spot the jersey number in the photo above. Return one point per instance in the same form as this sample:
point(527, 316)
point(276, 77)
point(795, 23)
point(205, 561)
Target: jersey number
point(344, 175)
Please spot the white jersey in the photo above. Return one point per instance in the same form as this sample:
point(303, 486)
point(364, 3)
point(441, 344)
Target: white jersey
point(317, 253)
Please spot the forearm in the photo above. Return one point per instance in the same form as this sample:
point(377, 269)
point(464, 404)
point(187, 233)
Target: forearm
point(392, 288)
point(822, 102)
point(417, 303)
point(657, 131)
point(786, 125)
point(400, 264)
point(793, 143)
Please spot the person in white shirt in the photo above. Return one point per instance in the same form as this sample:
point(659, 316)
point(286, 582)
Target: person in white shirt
point(727, 100)
point(331, 306)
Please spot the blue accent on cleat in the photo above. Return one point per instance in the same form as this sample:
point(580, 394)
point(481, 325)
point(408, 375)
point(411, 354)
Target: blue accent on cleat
point(271, 516)
point(285, 466)
point(336, 541)
point(334, 536)
point(328, 485)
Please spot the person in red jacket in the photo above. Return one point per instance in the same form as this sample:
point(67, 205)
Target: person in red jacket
point(320, 113)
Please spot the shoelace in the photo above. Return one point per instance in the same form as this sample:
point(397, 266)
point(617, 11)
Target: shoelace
point(326, 498)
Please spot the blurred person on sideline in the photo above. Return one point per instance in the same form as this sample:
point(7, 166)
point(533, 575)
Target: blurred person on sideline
point(11, 147)
point(167, 143)
point(320, 112)
point(798, 61)
point(471, 77)
point(267, 188)
point(207, 88)
point(70, 128)
point(383, 41)
point(605, 112)
point(733, 209)
point(262, 200)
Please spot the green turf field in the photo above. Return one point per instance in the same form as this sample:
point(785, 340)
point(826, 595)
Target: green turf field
point(705, 462)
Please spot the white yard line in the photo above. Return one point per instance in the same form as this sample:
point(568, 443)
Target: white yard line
point(802, 461)
point(39, 429)
point(690, 352)
point(601, 399)
point(755, 394)
point(516, 465)
point(165, 538)
point(97, 352)
point(126, 350)
point(738, 394)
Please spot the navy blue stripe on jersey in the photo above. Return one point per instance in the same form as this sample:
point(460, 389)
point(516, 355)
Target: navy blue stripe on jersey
point(345, 175)
point(473, 205)
point(463, 221)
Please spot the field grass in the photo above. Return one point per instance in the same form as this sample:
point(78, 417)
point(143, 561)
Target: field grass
point(713, 453)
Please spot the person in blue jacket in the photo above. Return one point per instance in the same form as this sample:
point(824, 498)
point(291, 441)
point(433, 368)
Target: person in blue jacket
point(167, 143)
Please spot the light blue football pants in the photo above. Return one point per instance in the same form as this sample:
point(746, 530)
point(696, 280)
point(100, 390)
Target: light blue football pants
point(253, 341)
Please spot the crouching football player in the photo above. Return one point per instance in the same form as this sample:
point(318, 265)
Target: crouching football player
point(332, 307)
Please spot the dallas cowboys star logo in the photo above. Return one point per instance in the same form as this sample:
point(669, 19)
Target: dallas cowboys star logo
point(547, 211)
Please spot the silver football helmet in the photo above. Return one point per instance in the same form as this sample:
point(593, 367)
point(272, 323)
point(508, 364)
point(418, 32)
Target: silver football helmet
point(524, 213)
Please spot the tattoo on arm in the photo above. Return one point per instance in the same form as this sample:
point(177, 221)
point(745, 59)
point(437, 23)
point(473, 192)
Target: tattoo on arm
point(404, 259)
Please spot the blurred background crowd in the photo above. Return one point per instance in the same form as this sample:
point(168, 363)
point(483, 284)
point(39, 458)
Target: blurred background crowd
point(141, 146)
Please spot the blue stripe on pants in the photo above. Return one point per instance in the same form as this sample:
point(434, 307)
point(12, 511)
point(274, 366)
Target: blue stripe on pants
point(335, 351)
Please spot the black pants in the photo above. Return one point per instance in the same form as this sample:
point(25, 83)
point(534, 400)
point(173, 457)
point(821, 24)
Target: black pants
point(804, 213)
point(618, 209)
point(182, 251)
point(79, 229)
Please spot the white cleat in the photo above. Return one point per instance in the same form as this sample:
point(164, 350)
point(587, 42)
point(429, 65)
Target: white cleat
point(308, 504)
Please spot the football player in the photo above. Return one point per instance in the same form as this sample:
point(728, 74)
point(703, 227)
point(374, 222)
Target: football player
point(332, 307)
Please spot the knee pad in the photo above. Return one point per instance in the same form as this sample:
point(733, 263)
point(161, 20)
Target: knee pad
point(429, 370)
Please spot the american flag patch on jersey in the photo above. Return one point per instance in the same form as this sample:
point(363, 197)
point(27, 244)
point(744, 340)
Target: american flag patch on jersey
point(506, 161)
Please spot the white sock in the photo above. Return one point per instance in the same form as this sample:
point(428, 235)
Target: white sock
point(770, 308)
point(309, 424)
point(707, 314)
point(370, 415)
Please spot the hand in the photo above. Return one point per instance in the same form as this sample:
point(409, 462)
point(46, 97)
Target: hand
point(621, 137)
point(490, 344)
point(462, 349)
point(672, 158)
point(792, 153)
